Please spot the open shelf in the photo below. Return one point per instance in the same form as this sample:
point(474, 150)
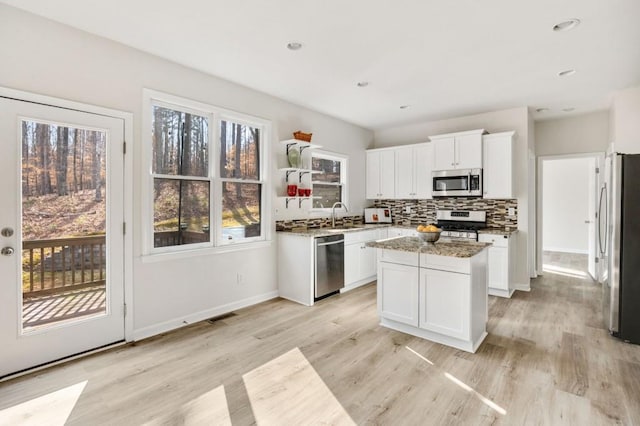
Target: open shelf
point(300, 199)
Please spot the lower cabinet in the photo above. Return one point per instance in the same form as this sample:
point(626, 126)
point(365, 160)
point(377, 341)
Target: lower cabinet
point(439, 298)
point(398, 293)
point(444, 302)
point(360, 261)
point(500, 264)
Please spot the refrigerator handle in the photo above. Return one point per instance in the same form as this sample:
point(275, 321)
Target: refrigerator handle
point(603, 198)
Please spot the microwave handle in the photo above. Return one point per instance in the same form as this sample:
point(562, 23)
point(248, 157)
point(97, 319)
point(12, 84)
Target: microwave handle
point(469, 182)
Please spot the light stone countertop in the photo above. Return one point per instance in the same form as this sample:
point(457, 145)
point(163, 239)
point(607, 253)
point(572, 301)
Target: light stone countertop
point(497, 231)
point(440, 248)
point(323, 232)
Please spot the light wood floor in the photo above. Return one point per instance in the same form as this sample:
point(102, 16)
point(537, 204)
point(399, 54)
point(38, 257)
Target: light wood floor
point(547, 360)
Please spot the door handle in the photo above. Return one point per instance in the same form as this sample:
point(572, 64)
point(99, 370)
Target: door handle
point(7, 251)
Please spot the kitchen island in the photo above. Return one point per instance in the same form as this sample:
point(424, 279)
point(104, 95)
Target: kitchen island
point(436, 291)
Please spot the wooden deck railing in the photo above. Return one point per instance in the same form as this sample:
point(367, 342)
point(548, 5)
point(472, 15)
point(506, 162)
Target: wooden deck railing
point(174, 238)
point(61, 264)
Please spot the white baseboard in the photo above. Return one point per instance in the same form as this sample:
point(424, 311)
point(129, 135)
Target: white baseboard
point(175, 323)
point(522, 287)
point(357, 284)
point(566, 250)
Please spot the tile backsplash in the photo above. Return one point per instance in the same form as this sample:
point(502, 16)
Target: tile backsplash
point(318, 222)
point(424, 211)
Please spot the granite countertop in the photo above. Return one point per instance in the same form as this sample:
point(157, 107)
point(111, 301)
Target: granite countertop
point(440, 248)
point(498, 231)
point(323, 232)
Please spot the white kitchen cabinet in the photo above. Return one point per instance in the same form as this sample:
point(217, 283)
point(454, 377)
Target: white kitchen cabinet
point(500, 264)
point(462, 150)
point(296, 264)
point(380, 174)
point(360, 263)
point(498, 165)
point(444, 302)
point(398, 293)
point(440, 298)
point(413, 167)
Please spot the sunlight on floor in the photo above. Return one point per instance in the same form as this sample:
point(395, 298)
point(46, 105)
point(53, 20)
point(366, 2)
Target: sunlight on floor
point(289, 382)
point(210, 408)
point(565, 272)
point(464, 386)
point(478, 395)
point(52, 409)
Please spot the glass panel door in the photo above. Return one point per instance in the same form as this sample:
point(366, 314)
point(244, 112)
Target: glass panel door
point(62, 243)
point(64, 247)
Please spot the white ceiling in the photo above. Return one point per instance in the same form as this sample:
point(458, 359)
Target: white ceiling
point(443, 58)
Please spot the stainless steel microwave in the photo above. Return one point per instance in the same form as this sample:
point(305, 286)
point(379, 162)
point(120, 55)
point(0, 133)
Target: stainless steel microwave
point(457, 183)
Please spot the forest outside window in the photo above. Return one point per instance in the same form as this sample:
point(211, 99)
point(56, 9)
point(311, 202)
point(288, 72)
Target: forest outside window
point(208, 184)
point(241, 184)
point(181, 181)
point(329, 185)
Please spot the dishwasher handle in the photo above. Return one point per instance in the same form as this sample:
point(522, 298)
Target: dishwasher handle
point(330, 243)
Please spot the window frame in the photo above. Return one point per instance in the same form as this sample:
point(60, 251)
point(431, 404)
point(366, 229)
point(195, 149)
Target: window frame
point(215, 115)
point(344, 181)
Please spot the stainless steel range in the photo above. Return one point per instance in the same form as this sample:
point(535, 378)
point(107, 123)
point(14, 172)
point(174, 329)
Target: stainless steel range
point(461, 225)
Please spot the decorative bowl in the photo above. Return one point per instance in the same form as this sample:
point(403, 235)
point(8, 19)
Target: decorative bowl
point(429, 237)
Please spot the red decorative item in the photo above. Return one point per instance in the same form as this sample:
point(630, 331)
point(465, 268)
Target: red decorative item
point(307, 192)
point(291, 190)
point(301, 192)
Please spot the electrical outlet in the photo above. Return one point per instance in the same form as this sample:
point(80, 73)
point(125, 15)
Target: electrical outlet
point(512, 211)
point(240, 278)
point(407, 209)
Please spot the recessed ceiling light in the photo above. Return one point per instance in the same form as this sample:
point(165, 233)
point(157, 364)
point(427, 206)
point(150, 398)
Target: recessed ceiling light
point(542, 109)
point(566, 25)
point(404, 106)
point(294, 45)
point(566, 73)
point(362, 83)
point(568, 109)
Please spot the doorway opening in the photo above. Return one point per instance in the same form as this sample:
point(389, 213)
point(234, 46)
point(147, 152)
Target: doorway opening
point(567, 215)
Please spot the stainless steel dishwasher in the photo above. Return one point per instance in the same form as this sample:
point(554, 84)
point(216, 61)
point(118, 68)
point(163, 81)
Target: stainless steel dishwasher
point(329, 267)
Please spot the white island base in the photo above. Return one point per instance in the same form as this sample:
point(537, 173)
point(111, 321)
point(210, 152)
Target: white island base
point(441, 298)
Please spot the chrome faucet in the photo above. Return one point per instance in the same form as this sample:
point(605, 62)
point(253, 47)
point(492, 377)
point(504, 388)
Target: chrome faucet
point(333, 212)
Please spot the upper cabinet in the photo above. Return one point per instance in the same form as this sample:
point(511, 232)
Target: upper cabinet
point(462, 150)
point(498, 165)
point(414, 164)
point(380, 174)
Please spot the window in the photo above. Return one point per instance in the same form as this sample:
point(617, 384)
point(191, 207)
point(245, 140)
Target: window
point(207, 175)
point(329, 186)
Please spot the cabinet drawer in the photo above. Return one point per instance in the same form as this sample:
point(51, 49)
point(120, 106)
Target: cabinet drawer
point(460, 265)
point(496, 240)
point(400, 257)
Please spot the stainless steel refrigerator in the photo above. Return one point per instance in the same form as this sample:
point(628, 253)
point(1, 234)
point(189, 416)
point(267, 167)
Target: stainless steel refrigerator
point(619, 240)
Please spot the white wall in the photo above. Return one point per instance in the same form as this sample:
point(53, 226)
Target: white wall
point(497, 121)
point(565, 204)
point(48, 58)
point(572, 135)
point(625, 121)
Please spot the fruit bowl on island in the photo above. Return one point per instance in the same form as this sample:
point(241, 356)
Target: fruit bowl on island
point(429, 233)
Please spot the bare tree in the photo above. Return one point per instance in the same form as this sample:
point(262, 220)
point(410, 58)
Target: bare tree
point(43, 135)
point(62, 153)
